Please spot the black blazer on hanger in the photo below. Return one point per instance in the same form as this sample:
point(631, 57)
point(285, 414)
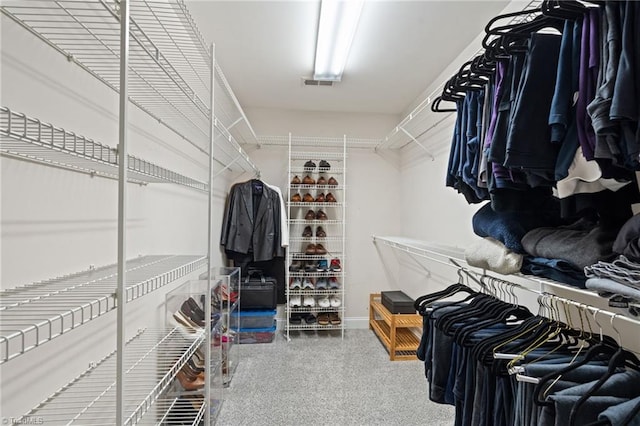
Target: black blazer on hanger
point(250, 226)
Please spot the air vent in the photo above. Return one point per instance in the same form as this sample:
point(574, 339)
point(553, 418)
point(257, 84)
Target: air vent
point(312, 82)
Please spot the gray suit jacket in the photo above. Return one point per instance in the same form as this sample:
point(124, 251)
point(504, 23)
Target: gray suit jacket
point(241, 232)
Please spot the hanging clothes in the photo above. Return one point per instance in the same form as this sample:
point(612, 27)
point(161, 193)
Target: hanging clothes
point(252, 221)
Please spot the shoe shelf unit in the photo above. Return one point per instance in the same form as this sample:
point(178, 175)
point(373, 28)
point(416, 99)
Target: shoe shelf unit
point(166, 69)
point(398, 332)
point(153, 359)
point(37, 313)
point(225, 304)
point(315, 276)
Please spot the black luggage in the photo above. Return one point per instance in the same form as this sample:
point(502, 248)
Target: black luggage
point(258, 291)
point(397, 302)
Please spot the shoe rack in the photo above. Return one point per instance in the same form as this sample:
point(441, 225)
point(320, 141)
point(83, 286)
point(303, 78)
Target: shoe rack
point(316, 255)
point(163, 66)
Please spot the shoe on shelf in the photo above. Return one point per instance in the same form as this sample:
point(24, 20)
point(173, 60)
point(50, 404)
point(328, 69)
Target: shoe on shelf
point(323, 265)
point(296, 284)
point(309, 301)
point(323, 318)
point(308, 180)
point(295, 181)
point(320, 249)
point(295, 301)
point(330, 198)
point(324, 302)
point(295, 318)
point(310, 250)
point(308, 198)
point(309, 166)
point(332, 181)
point(307, 233)
point(311, 215)
point(321, 215)
point(333, 283)
point(186, 322)
point(324, 166)
point(334, 318)
point(309, 318)
point(296, 198)
point(189, 383)
point(296, 266)
point(335, 301)
point(322, 181)
point(311, 266)
point(322, 284)
point(320, 198)
point(320, 232)
point(307, 284)
point(335, 265)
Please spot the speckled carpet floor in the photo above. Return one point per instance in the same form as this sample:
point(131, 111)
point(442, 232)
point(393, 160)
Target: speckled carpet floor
point(319, 379)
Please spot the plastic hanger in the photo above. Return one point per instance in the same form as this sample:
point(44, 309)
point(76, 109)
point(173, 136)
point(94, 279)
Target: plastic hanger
point(620, 358)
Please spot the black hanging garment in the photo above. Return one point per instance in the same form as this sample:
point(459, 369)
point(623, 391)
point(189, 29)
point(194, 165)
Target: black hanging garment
point(251, 234)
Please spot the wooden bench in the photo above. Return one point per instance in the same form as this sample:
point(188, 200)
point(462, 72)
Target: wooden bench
point(396, 331)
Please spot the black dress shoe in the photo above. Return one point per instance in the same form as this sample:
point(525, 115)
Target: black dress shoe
point(309, 166)
point(324, 166)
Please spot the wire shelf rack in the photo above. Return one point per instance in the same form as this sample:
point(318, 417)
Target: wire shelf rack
point(36, 313)
point(32, 139)
point(303, 274)
point(152, 358)
point(315, 222)
point(178, 410)
point(317, 205)
point(169, 64)
point(305, 171)
point(228, 110)
point(310, 141)
point(314, 239)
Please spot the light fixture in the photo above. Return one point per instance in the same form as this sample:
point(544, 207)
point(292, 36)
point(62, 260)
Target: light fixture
point(338, 22)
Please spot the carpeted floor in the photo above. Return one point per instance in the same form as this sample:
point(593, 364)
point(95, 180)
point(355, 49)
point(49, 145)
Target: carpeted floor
point(320, 379)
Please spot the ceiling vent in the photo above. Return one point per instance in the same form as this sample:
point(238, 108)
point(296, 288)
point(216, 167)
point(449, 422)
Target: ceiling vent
point(312, 82)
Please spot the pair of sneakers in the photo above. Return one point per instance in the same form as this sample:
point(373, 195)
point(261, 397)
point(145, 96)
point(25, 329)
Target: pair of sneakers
point(327, 284)
point(297, 318)
point(297, 301)
point(332, 301)
point(304, 284)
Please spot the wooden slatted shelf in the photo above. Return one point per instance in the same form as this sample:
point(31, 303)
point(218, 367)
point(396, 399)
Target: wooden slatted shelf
point(397, 332)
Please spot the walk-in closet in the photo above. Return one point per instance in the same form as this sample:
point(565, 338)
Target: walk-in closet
point(345, 212)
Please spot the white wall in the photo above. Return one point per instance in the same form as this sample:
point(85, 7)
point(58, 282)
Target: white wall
point(55, 222)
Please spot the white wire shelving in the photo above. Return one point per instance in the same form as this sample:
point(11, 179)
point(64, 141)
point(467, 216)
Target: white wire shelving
point(170, 64)
point(454, 257)
point(314, 142)
point(36, 313)
point(32, 139)
point(152, 359)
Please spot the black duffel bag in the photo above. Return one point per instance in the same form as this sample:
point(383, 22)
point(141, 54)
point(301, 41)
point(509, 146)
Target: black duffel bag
point(258, 291)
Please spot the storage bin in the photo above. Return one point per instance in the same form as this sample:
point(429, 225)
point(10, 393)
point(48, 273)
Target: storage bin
point(257, 335)
point(254, 318)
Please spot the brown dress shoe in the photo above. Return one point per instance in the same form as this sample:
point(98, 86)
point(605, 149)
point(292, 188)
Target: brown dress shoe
point(296, 198)
point(322, 180)
point(320, 232)
point(321, 215)
point(320, 198)
point(296, 180)
point(311, 249)
point(332, 182)
point(330, 198)
point(308, 198)
point(311, 215)
point(320, 249)
point(308, 180)
point(307, 233)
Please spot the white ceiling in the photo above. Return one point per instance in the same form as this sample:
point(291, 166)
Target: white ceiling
point(400, 47)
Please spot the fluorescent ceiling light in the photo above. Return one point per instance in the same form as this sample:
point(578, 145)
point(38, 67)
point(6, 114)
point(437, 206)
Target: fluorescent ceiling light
point(338, 22)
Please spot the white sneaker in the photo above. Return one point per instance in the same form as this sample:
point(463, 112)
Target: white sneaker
point(335, 301)
point(307, 284)
point(295, 284)
point(324, 302)
point(295, 301)
point(309, 301)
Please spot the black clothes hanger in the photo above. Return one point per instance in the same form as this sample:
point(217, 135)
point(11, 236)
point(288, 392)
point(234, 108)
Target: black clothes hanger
point(423, 302)
point(565, 9)
point(435, 105)
point(622, 358)
point(604, 348)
